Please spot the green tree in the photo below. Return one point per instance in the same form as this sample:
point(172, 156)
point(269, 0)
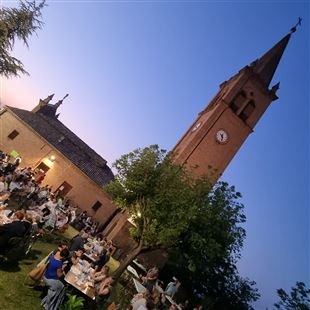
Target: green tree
point(298, 299)
point(206, 255)
point(201, 226)
point(160, 198)
point(17, 23)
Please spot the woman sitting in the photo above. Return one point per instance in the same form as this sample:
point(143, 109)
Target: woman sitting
point(73, 259)
point(102, 274)
point(104, 289)
point(140, 300)
point(53, 273)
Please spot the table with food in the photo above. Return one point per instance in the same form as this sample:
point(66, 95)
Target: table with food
point(80, 276)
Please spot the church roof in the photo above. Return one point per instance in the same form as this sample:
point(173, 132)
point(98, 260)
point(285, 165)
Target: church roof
point(266, 66)
point(69, 144)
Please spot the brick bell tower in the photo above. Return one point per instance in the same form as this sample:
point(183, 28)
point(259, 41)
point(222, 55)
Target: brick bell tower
point(220, 129)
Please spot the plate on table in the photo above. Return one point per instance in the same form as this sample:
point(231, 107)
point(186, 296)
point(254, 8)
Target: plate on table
point(80, 284)
point(75, 270)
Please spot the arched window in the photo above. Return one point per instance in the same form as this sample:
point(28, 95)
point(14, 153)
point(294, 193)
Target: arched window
point(247, 111)
point(238, 101)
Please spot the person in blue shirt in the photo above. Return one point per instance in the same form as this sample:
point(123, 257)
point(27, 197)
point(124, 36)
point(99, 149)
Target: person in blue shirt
point(52, 276)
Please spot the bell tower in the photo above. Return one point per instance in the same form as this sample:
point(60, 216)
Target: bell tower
point(220, 129)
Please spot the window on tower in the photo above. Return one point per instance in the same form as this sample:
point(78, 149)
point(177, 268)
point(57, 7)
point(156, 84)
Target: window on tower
point(247, 111)
point(238, 101)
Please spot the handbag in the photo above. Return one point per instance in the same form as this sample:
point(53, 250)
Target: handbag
point(37, 273)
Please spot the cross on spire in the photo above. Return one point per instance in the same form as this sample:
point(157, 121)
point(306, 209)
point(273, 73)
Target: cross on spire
point(265, 67)
point(293, 29)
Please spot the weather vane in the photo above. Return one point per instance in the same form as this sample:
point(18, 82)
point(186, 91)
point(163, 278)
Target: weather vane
point(297, 24)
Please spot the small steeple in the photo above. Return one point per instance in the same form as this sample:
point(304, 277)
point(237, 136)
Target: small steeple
point(57, 104)
point(48, 99)
point(266, 66)
point(48, 109)
point(43, 103)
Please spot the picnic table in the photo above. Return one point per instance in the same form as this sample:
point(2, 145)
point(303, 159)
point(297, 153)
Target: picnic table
point(79, 277)
point(89, 257)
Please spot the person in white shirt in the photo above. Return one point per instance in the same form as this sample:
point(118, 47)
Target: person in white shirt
point(3, 185)
point(139, 301)
point(172, 287)
point(14, 185)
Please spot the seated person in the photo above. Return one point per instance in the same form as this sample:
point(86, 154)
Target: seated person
point(140, 300)
point(150, 280)
point(76, 256)
point(102, 260)
point(103, 290)
point(62, 223)
point(18, 228)
point(62, 245)
point(88, 247)
point(52, 278)
point(73, 259)
point(4, 198)
point(105, 286)
point(98, 247)
point(3, 184)
point(102, 274)
point(172, 287)
point(78, 241)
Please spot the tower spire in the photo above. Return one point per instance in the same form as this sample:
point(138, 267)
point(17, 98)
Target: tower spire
point(57, 104)
point(266, 65)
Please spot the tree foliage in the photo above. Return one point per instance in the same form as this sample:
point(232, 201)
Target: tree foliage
point(297, 299)
point(200, 226)
point(160, 197)
point(17, 23)
point(210, 249)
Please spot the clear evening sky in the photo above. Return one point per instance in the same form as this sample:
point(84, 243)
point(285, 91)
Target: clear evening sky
point(138, 72)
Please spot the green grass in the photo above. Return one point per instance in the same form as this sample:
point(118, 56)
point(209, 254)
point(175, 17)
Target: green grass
point(16, 289)
point(15, 293)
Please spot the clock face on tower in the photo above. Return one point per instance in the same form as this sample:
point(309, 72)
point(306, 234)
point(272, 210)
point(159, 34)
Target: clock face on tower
point(222, 136)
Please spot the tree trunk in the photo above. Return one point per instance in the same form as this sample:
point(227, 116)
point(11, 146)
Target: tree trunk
point(129, 258)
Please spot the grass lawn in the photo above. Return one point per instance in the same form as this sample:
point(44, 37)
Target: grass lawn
point(16, 291)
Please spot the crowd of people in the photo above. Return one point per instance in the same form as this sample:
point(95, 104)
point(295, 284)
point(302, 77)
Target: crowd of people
point(40, 206)
point(39, 210)
point(154, 295)
point(72, 254)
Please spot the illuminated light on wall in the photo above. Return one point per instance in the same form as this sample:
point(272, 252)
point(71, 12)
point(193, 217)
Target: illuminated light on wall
point(48, 162)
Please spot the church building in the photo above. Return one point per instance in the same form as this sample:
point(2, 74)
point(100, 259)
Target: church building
point(68, 164)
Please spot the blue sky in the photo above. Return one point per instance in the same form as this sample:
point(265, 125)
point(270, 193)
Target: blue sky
point(139, 72)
